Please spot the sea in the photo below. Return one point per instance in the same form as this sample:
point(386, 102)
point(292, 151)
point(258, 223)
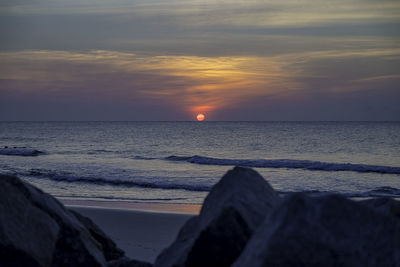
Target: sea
point(179, 162)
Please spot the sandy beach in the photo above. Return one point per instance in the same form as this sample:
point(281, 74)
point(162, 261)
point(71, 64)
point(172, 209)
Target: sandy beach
point(141, 234)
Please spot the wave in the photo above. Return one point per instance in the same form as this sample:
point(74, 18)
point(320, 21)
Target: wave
point(144, 158)
point(384, 191)
point(100, 151)
point(88, 152)
point(74, 197)
point(20, 151)
point(69, 177)
point(288, 163)
point(158, 183)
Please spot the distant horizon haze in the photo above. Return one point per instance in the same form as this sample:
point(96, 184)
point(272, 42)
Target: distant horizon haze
point(196, 121)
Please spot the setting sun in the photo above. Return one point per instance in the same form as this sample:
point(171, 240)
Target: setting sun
point(200, 117)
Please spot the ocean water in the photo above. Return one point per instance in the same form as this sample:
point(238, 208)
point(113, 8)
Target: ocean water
point(179, 162)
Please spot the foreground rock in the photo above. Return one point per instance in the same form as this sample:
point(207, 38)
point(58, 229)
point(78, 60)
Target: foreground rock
point(386, 206)
point(126, 262)
point(325, 231)
point(37, 230)
point(243, 222)
point(232, 211)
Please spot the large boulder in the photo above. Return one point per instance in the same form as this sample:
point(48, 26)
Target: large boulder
point(231, 212)
point(110, 249)
point(126, 262)
point(37, 230)
point(324, 231)
point(386, 206)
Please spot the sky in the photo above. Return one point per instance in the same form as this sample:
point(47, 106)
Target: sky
point(172, 59)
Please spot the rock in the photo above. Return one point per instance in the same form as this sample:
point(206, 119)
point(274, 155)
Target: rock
point(231, 212)
point(324, 231)
point(126, 262)
point(37, 230)
point(387, 206)
point(110, 249)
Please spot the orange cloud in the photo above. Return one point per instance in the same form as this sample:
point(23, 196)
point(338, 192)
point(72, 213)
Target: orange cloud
point(192, 84)
point(196, 84)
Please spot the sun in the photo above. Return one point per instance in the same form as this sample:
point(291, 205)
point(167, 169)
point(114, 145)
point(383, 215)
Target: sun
point(200, 117)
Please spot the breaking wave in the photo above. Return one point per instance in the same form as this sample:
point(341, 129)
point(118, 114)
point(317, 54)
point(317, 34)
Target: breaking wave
point(20, 151)
point(155, 183)
point(183, 184)
point(288, 163)
point(384, 191)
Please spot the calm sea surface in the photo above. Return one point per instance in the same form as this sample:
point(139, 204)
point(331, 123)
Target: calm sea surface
point(178, 162)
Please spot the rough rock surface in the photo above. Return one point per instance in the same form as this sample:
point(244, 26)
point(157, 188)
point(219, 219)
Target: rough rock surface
point(37, 230)
point(234, 208)
point(126, 262)
point(110, 249)
point(386, 206)
point(324, 231)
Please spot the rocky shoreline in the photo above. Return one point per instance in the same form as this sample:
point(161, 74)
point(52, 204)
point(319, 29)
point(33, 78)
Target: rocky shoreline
point(243, 222)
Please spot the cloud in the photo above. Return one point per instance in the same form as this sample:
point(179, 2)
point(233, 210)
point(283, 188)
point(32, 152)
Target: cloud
point(199, 28)
point(190, 82)
point(154, 86)
point(227, 12)
point(154, 58)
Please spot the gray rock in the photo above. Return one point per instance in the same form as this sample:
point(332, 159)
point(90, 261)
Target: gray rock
point(37, 230)
point(110, 249)
point(126, 262)
point(386, 206)
point(231, 212)
point(324, 231)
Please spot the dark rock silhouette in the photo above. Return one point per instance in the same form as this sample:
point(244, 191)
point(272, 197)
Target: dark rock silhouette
point(386, 206)
point(234, 208)
point(126, 262)
point(110, 249)
point(37, 230)
point(324, 231)
point(243, 222)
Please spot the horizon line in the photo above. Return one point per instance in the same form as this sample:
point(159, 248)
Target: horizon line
point(205, 121)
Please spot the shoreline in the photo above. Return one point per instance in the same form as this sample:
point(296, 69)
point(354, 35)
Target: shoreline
point(141, 230)
point(170, 208)
point(142, 235)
